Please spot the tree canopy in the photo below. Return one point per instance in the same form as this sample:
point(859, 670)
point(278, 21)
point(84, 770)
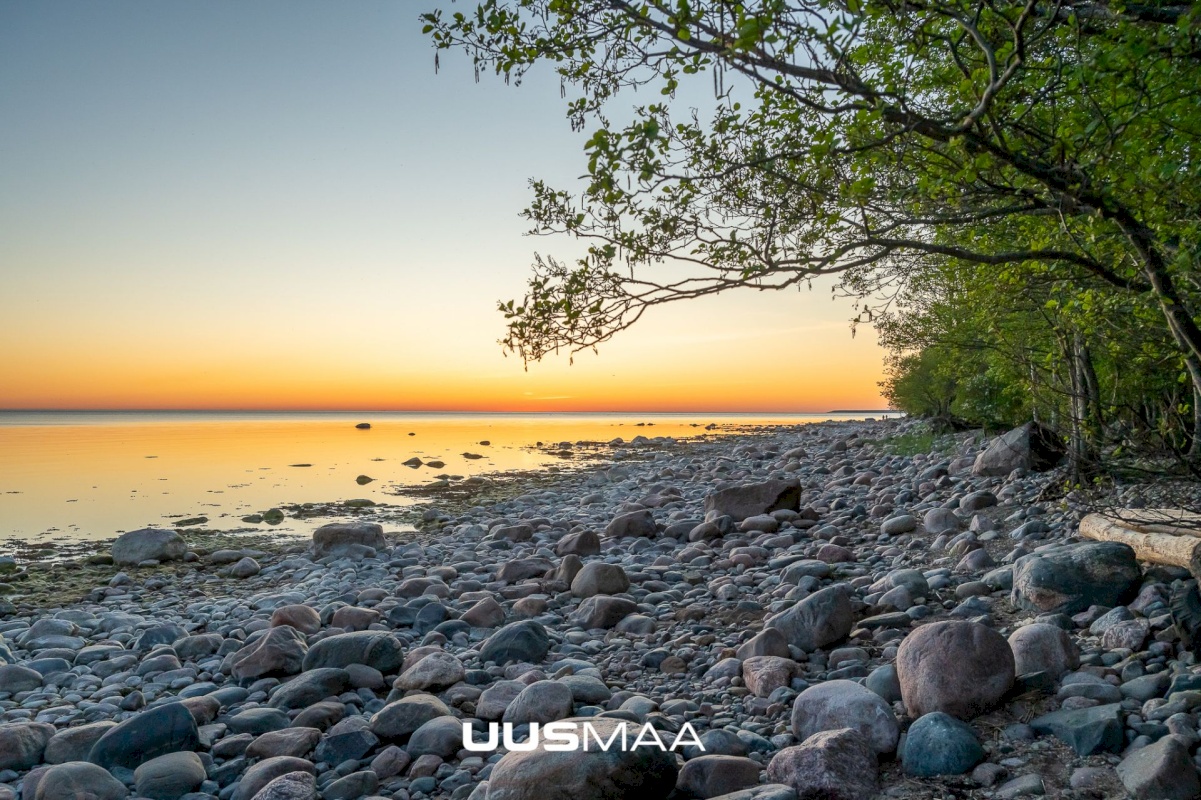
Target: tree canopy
point(1031, 143)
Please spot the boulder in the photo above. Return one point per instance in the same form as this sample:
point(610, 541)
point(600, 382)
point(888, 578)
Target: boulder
point(348, 540)
point(541, 702)
point(1030, 447)
point(257, 777)
point(831, 765)
point(633, 523)
point(275, 652)
point(310, 687)
point(169, 728)
point(441, 736)
point(1162, 770)
point(77, 780)
point(379, 650)
point(518, 641)
point(602, 611)
point(822, 618)
point(297, 742)
point(435, 672)
point(148, 544)
point(961, 668)
point(638, 773)
point(834, 705)
point(301, 617)
point(15, 678)
point(765, 674)
point(768, 642)
point(22, 744)
point(169, 776)
point(740, 502)
point(1071, 578)
point(1085, 730)
point(598, 577)
point(74, 744)
point(717, 775)
point(939, 744)
point(486, 613)
point(1040, 647)
point(398, 720)
point(584, 543)
point(289, 786)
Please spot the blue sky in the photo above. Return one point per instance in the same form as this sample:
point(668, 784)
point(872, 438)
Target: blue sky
point(241, 204)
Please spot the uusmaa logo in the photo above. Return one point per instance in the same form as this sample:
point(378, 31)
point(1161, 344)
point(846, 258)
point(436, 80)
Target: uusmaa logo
point(568, 736)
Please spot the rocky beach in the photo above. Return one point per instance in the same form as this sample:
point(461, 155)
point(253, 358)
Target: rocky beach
point(835, 612)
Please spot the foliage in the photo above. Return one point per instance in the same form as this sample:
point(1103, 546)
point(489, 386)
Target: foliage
point(1011, 190)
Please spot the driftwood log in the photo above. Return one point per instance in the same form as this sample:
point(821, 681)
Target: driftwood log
point(1160, 535)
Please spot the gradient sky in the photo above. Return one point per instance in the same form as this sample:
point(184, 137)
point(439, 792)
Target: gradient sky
point(281, 205)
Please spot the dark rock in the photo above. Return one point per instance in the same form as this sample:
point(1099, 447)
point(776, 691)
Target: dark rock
point(310, 687)
point(518, 641)
point(822, 618)
point(169, 728)
point(740, 502)
point(169, 776)
point(348, 539)
point(376, 649)
point(1074, 577)
point(1031, 447)
point(1085, 730)
point(633, 523)
point(939, 744)
point(148, 544)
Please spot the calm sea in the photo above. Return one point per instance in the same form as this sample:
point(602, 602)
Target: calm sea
point(69, 475)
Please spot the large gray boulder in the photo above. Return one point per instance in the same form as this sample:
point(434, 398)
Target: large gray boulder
point(599, 577)
point(960, 668)
point(169, 776)
point(274, 652)
point(22, 744)
point(822, 618)
point(376, 649)
point(518, 641)
point(831, 765)
point(1162, 770)
point(1071, 578)
point(348, 540)
point(1031, 447)
point(148, 544)
point(641, 773)
point(740, 502)
point(838, 704)
point(169, 728)
point(76, 780)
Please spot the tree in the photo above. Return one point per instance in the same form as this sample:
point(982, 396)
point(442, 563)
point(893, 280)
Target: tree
point(861, 138)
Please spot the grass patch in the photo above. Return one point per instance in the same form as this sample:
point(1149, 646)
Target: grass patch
point(914, 443)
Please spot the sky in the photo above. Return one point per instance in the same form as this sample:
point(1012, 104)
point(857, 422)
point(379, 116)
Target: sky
point(282, 206)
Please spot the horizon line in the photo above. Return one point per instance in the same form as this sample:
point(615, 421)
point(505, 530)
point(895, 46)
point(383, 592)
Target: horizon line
point(416, 411)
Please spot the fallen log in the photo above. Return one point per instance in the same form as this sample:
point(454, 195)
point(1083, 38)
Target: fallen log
point(1160, 536)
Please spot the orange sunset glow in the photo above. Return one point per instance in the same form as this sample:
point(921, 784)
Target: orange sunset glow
point(186, 225)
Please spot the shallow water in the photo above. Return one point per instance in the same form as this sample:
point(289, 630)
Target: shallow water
point(93, 475)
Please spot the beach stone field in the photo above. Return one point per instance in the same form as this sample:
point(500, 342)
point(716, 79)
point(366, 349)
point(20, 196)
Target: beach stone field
point(800, 612)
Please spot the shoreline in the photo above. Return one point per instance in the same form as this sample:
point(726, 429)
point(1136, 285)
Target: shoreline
point(645, 607)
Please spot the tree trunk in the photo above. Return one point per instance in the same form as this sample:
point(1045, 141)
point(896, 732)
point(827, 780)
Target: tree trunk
point(1194, 370)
